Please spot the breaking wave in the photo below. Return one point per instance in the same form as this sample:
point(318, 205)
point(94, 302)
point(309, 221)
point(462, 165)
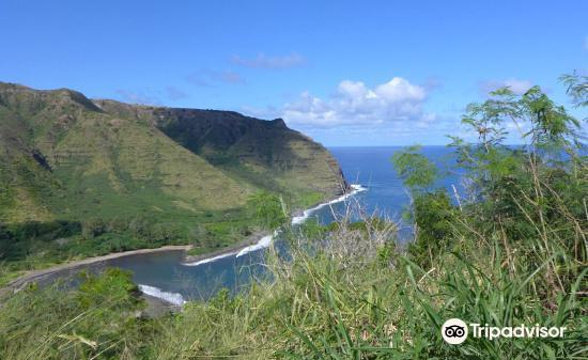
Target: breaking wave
point(172, 298)
point(266, 241)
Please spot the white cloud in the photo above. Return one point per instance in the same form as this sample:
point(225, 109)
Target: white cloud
point(355, 104)
point(138, 97)
point(517, 86)
point(151, 96)
point(207, 77)
point(230, 77)
point(263, 61)
point(173, 93)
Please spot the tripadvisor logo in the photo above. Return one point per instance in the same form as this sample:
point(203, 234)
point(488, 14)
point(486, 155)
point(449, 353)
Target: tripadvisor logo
point(455, 331)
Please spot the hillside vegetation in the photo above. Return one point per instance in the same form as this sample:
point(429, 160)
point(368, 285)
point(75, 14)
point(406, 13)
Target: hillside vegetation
point(84, 177)
point(511, 250)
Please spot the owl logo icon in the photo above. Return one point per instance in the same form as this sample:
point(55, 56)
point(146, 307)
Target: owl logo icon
point(454, 331)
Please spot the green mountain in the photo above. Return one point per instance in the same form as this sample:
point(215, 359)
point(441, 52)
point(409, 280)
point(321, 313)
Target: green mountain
point(69, 158)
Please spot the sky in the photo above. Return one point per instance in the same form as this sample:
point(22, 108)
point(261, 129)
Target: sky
point(347, 73)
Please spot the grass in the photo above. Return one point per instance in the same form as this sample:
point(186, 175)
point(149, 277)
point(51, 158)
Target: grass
point(322, 304)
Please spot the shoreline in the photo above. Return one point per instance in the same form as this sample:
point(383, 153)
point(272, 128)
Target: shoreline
point(263, 241)
point(32, 275)
point(245, 246)
point(297, 218)
point(195, 260)
point(189, 260)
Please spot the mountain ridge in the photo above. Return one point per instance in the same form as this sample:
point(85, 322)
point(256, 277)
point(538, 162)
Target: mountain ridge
point(66, 157)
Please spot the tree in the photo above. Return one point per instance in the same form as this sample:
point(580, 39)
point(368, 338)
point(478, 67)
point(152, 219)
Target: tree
point(431, 209)
point(269, 210)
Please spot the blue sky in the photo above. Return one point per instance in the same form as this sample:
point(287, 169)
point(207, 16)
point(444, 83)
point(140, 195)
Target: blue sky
point(344, 72)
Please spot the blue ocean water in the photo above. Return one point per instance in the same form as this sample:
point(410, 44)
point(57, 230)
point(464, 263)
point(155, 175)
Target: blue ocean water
point(370, 167)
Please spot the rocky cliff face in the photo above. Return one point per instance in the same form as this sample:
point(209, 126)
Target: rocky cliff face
point(64, 156)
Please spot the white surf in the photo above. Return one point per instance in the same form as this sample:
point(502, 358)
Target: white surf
point(266, 241)
point(172, 298)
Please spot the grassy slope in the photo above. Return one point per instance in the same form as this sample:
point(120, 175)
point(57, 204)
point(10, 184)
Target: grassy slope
point(23, 181)
point(130, 182)
point(265, 154)
point(118, 160)
point(116, 166)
